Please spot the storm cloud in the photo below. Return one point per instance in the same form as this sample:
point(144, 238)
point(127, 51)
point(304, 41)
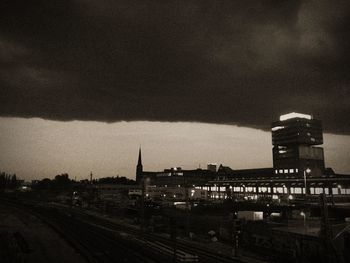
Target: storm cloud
point(239, 62)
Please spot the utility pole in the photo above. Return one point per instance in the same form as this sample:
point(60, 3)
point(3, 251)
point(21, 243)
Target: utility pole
point(236, 232)
point(142, 205)
point(187, 208)
point(173, 234)
point(326, 231)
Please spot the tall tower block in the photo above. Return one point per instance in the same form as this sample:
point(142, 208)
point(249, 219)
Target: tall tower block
point(294, 138)
point(139, 168)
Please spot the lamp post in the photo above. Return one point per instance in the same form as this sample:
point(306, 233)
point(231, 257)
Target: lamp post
point(307, 171)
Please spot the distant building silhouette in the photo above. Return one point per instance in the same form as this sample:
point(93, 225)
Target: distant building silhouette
point(212, 167)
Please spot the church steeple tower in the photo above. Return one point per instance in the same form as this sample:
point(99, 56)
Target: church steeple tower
point(139, 168)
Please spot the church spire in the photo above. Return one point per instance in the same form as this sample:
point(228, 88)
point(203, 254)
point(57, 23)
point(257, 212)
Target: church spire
point(140, 159)
point(139, 168)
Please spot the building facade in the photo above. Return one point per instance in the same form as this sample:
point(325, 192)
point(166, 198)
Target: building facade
point(294, 140)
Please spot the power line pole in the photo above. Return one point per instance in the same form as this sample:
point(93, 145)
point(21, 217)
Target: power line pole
point(142, 205)
point(326, 231)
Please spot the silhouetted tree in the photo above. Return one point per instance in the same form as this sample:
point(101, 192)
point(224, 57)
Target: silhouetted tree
point(62, 181)
point(8, 181)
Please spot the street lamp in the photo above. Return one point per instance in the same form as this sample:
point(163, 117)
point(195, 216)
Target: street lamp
point(307, 171)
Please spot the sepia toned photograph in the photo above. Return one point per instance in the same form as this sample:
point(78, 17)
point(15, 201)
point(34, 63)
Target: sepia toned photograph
point(158, 131)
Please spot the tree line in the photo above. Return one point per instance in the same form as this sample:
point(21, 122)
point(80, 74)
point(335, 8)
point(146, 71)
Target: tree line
point(8, 181)
point(62, 181)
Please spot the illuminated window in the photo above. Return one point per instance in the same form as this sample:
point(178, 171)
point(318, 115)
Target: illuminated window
point(318, 190)
point(312, 190)
point(276, 171)
point(285, 171)
point(297, 190)
point(281, 171)
point(277, 128)
point(296, 170)
point(295, 115)
point(291, 170)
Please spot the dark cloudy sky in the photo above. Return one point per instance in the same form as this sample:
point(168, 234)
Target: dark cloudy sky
point(228, 62)
point(241, 62)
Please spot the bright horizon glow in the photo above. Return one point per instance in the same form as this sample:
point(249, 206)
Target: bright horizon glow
point(294, 115)
point(37, 148)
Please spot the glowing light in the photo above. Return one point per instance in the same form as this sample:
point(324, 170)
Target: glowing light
point(179, 203)
point(277, 128)
point(295, 115)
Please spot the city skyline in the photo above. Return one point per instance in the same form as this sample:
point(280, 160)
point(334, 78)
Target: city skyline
point(174, 131)
point(112, 149)
point(74, 74)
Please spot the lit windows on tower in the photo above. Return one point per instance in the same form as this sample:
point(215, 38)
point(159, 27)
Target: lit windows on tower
point(294, 137)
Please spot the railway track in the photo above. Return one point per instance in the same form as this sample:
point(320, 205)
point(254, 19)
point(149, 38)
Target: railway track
point(101, 245)
point(93, 243)
point(100, 240)
point(203, 253)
